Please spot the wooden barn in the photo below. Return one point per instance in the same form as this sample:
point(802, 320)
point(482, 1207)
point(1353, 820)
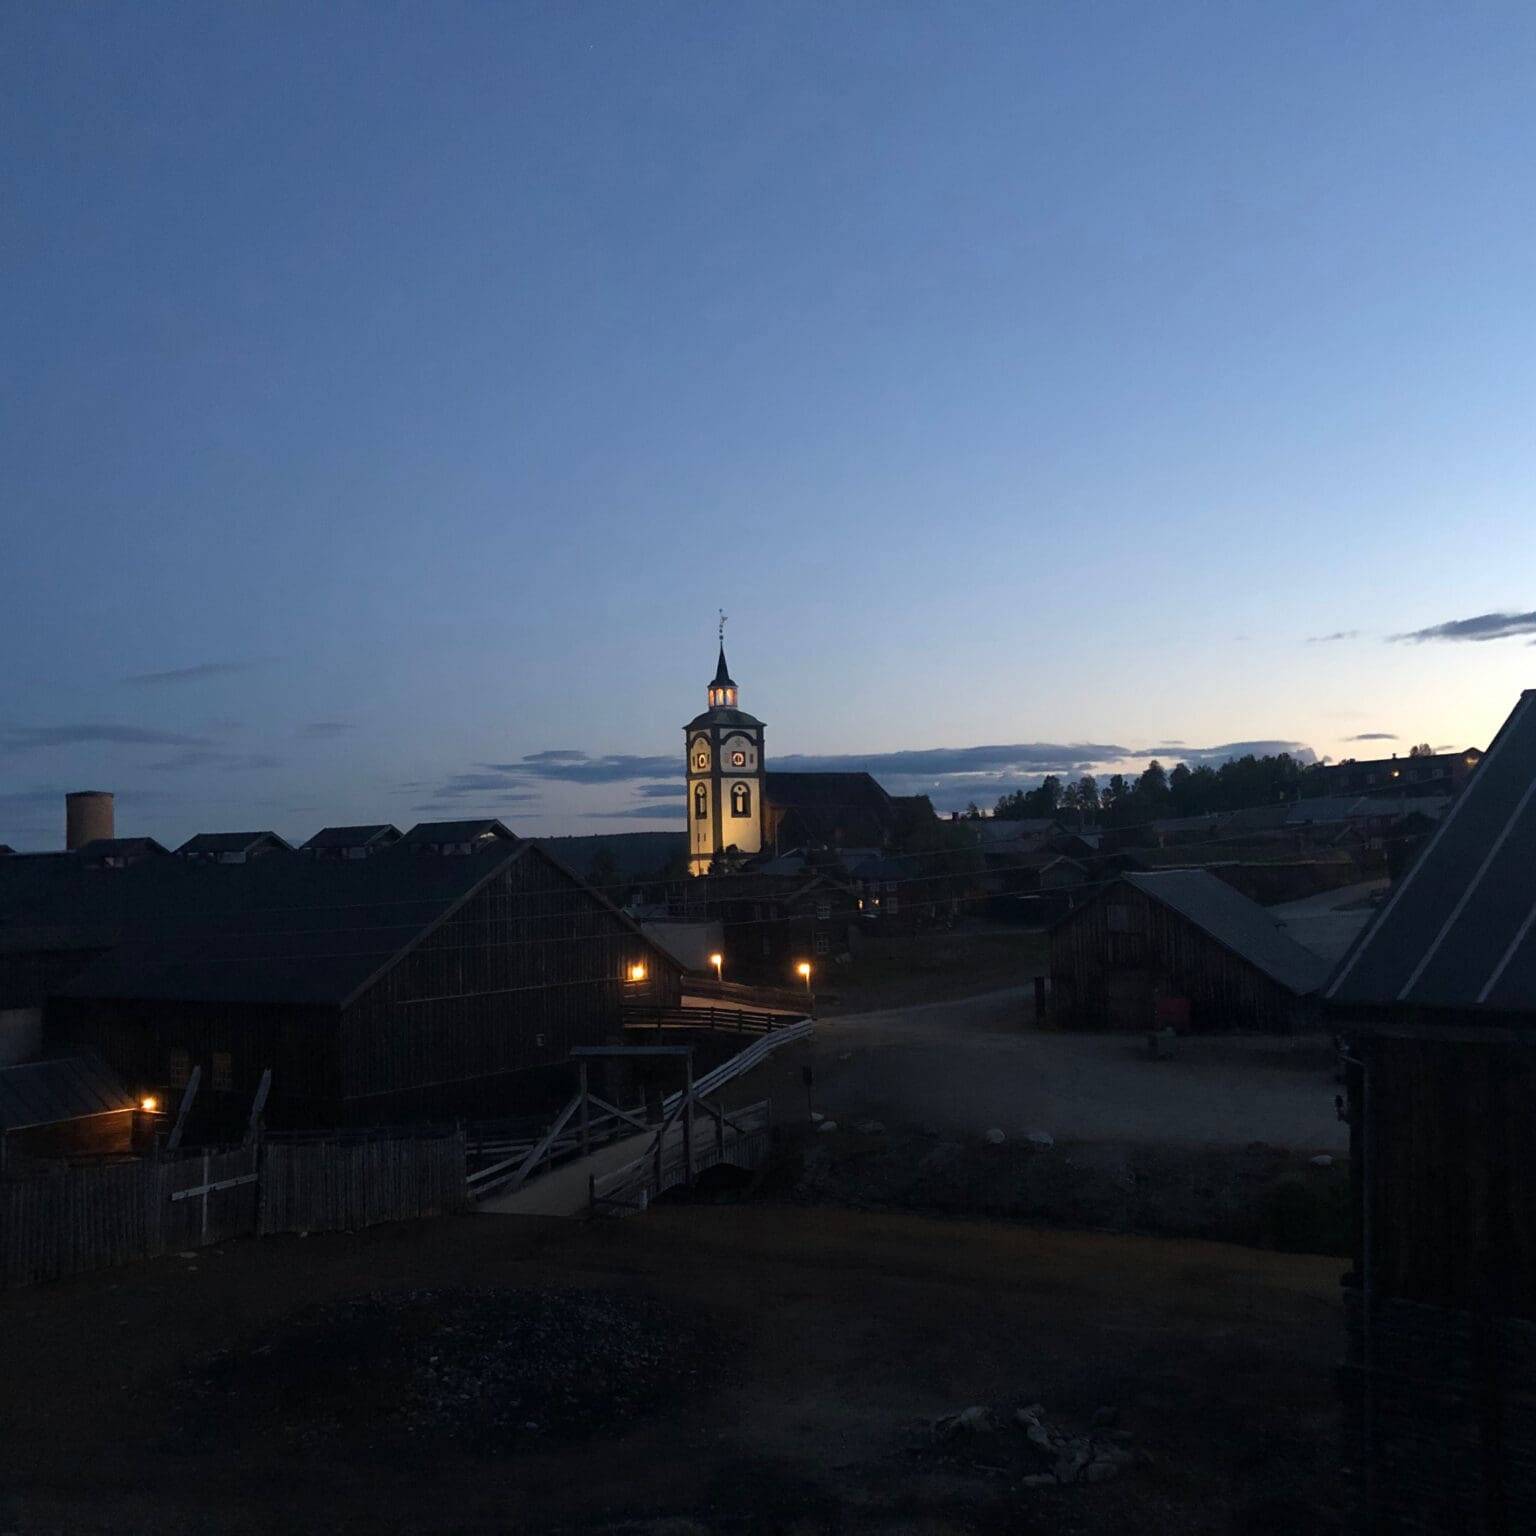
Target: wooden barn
point(1178, 946)
point(1437, 1004)
point(448, 974)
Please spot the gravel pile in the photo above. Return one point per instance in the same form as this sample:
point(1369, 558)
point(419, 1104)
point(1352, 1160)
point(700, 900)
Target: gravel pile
point(482, 1369)
point(1038, 1453)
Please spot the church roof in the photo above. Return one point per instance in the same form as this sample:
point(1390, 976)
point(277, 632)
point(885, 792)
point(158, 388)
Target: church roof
point(723, 677)
point(721, 714)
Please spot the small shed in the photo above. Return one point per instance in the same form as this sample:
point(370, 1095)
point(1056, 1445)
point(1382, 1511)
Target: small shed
point(69, 1107)
point(1178, 944)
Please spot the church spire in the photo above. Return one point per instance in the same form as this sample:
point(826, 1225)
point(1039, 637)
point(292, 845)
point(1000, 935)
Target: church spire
point(722, 691)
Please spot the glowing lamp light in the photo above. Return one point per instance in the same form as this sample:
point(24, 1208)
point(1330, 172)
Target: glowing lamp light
point(804, 969)
point(637, 971)
point(149, 1103)
point(718, 961)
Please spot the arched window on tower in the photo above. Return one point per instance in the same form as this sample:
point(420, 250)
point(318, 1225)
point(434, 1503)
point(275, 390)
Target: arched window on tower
point(741, 800)
point(700, 803)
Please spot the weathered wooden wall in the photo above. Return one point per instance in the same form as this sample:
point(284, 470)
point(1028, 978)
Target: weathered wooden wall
point(1449, 1170)
point(1103, 979)
point(1441, 1365)
point(533, 965)
point(136, 1037)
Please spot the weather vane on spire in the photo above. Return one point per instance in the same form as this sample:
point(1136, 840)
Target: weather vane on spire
point(722, 626)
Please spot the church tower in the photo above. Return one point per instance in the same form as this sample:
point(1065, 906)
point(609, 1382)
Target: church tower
point(725, 778)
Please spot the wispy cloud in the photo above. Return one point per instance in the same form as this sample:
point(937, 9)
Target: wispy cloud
point(28, 738)
point(1338, 634)
point(670, 811)
point(212, 758)
point(197, 674)
point(577, 768)
point(1484, 626)
point(324, 730)
point(1374, 736)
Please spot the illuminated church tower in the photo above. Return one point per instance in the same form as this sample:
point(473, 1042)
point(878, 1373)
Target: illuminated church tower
point(725, 778)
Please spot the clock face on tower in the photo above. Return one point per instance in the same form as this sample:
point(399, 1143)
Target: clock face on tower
point(739, 759)
point(701, 760)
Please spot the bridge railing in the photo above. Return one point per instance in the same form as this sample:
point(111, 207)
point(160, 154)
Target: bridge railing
point(723, 1016)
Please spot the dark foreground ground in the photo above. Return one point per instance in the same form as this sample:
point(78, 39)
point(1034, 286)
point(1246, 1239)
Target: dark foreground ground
point(724, 1369)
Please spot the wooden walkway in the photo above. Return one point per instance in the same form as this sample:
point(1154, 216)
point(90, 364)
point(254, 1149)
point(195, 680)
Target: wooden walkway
point(626, 1176)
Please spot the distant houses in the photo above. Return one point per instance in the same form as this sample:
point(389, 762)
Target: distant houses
point(1427, 773)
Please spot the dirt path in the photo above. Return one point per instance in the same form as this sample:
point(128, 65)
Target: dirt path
point(963, 1066)
point(839, 1335)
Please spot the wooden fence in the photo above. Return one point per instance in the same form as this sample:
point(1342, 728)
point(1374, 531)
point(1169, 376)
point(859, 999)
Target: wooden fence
point(59, 1221)
point(336, 1186)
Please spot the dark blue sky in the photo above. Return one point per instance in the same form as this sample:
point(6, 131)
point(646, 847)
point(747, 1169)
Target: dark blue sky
point(393, 394)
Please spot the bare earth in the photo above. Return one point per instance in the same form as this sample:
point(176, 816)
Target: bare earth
point(840, 1335)
point(964, 1066)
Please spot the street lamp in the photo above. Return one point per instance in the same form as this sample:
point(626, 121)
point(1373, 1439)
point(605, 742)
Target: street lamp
point(804, 969)
point(718, 961)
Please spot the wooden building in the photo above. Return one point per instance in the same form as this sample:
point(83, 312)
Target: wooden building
point(71, 1107)
point(1437, 1004)
point(449, 974)
point(351, 842)
point(1178, 944)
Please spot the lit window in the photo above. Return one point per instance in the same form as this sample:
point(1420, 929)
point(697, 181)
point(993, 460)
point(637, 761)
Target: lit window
point(822, 943)
point(823, 911)
point(700, 803)
point(741, 800)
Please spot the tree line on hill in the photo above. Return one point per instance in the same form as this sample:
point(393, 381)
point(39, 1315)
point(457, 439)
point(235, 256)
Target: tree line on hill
point(1157, 792)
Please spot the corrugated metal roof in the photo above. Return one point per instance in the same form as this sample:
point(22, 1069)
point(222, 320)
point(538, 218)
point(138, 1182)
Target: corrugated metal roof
point(1236, 923)
point(1460, 930)
point(69, 1088)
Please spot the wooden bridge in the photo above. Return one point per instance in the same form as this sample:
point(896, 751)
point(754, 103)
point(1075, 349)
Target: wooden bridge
point(596, 1156)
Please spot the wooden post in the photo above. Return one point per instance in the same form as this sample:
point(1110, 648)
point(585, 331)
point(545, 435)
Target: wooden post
point(586, 1114)
point(688, 1123)
point(258, 1104)
point(188, 1094)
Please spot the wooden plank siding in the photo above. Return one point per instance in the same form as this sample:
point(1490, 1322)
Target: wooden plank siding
point(1449, 1170)
point(489, 1001)
point(1106, 979)
point(532, 965)
point(137, 1038)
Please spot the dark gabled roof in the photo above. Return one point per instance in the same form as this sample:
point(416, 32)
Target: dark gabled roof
point(100, 849)
point(428, 833)
point(230, 842)
point(305, 932)
point(1236, 923)
point(1460, 929)
point(375, 833)
point(69, 1088)
point(825, 791)
point(310, 932)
